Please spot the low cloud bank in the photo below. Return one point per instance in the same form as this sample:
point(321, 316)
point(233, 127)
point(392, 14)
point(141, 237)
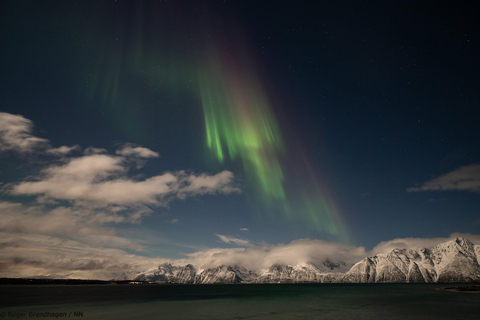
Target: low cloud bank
point(416, 243)
point(261, 257)
point(307, 251)
point(32, 255)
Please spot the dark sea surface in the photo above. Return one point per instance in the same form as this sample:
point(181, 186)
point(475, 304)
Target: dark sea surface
point(246, 301)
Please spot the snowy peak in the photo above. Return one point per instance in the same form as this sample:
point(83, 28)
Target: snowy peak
point(301, 273)
point(224, 274)
point(447, 251)
point(456, 261)
point(168, 273)
point(452, 261)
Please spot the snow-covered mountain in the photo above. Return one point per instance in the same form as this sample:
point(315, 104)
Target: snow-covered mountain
point(168, 273)
point(303, 273)
point(225, 274)
point(453, 261)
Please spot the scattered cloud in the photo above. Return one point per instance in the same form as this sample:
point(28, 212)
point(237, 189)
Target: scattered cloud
point(97, 179)
point(229, 239)
point(16, 134)
point(207, 184)
point(69, 231)
point(466, 178)
point(136, 151)
point(63, 150)
point(101, 180)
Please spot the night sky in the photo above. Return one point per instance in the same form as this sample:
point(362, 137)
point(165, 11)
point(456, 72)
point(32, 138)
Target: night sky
point(160, 129)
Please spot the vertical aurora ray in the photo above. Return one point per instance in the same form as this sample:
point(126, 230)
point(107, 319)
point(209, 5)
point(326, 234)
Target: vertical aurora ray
point(239, 122)
point(314, 200)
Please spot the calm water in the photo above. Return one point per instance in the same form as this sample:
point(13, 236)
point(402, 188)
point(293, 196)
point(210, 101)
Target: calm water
point(340, 301)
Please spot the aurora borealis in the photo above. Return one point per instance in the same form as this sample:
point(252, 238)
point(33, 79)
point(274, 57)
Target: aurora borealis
point(240, 121)
point(237, 123)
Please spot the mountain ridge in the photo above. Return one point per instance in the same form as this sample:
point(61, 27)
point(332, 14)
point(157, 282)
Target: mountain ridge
point(456, 260)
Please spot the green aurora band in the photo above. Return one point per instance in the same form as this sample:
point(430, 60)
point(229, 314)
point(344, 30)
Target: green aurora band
point(240, 125)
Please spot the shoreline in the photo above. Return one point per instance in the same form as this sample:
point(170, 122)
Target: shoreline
point(474, 287)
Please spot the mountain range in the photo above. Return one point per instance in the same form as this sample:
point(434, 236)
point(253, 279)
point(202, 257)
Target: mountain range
point(452, 261)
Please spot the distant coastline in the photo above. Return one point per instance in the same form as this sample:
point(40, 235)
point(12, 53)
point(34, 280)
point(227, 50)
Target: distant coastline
point(33, 281)
point(475, 288)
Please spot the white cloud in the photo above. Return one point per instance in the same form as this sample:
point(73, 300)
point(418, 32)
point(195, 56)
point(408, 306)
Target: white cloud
point(30, 255)
point(63, 150)
point(229, 239)
point(71, 221)
point(100, 180)
point(306, 251)
point(466, 178)
point(243, 229)
point(314, 251)
point(129, 150)
point(16, 134)
point(416, 243)
point(36, 240)
point(207, 184)
point(70, 230)
point(262, 257)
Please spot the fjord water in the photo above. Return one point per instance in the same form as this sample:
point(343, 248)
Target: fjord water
point(246, 301)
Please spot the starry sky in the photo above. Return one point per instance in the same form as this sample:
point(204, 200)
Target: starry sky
point(160, 129)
